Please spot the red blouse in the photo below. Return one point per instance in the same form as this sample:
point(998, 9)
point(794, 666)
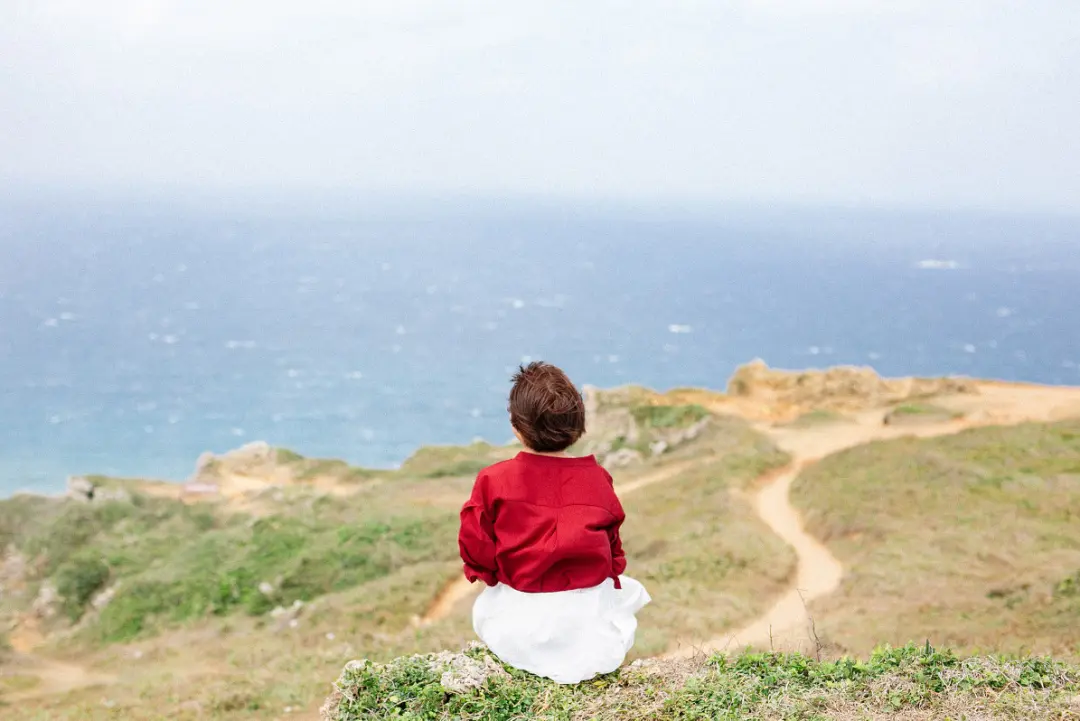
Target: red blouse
point(541, 524)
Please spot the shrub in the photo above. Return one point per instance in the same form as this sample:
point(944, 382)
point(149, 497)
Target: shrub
point(466, 467)
point(285, 456)
point(78, 579)
point(668, 416)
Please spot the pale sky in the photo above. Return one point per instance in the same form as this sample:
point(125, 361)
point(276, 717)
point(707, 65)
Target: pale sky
point(955, 103)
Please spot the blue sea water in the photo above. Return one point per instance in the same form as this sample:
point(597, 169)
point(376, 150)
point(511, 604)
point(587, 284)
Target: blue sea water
point(135, 335)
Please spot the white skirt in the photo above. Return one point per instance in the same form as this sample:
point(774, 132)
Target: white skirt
point(567, 636)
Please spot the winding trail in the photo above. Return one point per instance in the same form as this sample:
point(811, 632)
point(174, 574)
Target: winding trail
point(818, 571)
point(55, 678)
point(787, 625)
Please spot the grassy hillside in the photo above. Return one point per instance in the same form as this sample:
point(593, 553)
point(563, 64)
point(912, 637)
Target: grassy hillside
point(167, 562)
point(970, 540)
point(907, 683)
point(697, 545)
point(192, 607)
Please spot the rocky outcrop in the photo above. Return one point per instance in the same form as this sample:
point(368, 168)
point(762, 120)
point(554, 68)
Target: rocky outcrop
point(251, 459)
point(12, 572)
point(608, 415)
point(617, 434)
point(458, 673)
point(47, 603)
point(843, 389)
point(622, 458)
point(82, 489)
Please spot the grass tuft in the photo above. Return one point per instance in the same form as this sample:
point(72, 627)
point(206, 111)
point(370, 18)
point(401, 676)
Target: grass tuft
point(650, 416)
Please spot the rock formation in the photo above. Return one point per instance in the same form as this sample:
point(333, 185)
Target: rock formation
point(618, 438)
point(80, 488)
point(781, 394)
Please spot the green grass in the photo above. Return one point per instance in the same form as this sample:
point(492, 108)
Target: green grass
point(916, 680)
point(464, 467)
point(302, 559)
point(78, 579)
point(286, 457)
point(815, 418)
point(306, 470)
point(922, 410)
point(1068, 587)
point(655, 417)
point(454, 461)
point(973, 539)
point(173, 563)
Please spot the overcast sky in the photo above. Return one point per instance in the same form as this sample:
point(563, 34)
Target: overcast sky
point(912, 102)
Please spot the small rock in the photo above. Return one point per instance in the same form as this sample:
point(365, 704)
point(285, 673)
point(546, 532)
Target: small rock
point(104, 598)
point(462, 673)
point(111, 494)
point(622, 457)
point(266, 589)
point(80, 489)
point(47, 601)
point(287, 617)
point(658, 447)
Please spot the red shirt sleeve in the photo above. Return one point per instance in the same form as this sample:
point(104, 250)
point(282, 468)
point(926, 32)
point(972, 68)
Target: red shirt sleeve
point(476, 538)
point(618, 557)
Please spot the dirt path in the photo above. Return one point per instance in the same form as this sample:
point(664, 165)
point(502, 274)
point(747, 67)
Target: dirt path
point(54, 678)
point(818, 572)
point(460, 589)
point(786, 625)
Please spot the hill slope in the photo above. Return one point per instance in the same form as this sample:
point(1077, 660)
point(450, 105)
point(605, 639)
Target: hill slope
point(238, 599)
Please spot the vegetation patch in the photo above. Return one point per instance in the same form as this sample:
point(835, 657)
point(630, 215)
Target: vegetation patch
point(915, 413)
point(938, 684)
point(78, 579)
point(171, 562)
point(815, 418)
point(286, 457)
point(306, 470)
point(656, 417)
point(1068, 587)
point(453, 461)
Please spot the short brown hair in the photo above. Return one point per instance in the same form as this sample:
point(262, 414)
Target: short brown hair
point(545, 408)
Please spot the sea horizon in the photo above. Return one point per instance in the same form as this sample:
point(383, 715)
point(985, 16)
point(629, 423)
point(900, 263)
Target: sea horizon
point(139, 334)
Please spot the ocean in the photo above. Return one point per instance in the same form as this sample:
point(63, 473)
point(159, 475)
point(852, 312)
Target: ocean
point(136, 334)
